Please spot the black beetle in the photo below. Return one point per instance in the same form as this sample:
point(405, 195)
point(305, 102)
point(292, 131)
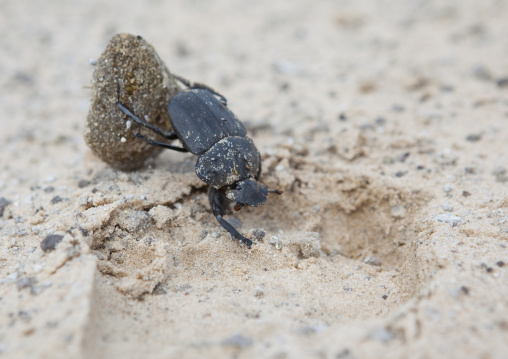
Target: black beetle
point(227, 159)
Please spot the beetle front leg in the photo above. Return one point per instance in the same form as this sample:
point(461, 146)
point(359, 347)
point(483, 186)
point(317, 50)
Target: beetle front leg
point(219, 202)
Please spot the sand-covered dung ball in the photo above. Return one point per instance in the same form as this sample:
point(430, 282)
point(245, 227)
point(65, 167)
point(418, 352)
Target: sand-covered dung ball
point(129, 71)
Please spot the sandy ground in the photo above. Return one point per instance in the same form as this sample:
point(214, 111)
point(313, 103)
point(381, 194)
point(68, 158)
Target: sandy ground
point(385, 123)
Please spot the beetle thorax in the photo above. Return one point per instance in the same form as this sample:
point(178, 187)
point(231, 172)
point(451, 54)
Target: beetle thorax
point(228, 161)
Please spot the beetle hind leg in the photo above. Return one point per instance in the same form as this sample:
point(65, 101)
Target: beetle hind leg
point(197, 85)
point(166, 134)
point(160, 144)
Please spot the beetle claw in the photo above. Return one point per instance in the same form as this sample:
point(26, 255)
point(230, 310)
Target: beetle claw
point(243, 240)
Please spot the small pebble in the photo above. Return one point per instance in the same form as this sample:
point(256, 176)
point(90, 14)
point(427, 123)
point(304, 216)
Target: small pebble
point(447, 218)
point(259, 234)
point(309, 243)
point(259, 292)
point(498, 171)
point(275, 241)
point(83, 183)
point(482, 73)
point(403, 157)
point(373, 261)
point(487, 268)
point(474, 138)
point(238, 341)
point(4, 202)
point(25, 282)
point(398, 212)
point(447, 207)
point(381, 334)
point(502, 82)
point(287, 67)
point(447, 188)
point(398, 108)
point(56, 199)
point(49, 243)
point(500, 264)
point(387, 160)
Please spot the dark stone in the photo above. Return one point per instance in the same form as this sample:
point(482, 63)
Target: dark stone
point(83, 183)
point(3, 203)
point(259, 234)
point(502, 82)
point(473, 138)
point(25, 282)
point(49, 243)
point(56, 199)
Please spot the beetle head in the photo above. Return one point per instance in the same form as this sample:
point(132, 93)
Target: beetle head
point(249, 192)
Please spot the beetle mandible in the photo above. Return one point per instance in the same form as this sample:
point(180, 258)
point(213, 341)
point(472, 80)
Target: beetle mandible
point(227, 160)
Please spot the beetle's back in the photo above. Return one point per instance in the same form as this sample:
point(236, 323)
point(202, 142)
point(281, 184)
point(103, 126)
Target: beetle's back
point(200, 120)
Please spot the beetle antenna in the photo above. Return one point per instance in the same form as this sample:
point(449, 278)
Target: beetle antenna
point(276, 191)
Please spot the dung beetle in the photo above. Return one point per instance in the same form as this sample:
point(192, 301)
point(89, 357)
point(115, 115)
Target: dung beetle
point(227, 160)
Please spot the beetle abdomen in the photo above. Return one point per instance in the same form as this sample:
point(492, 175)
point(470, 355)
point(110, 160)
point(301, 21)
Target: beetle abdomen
point(200, 120)
point(230, 160)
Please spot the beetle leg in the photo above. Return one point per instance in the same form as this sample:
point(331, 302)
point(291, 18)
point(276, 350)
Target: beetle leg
point(218, 202)
point(160, 144)
point(197, 85)
point(234, 233)
point(166, 134)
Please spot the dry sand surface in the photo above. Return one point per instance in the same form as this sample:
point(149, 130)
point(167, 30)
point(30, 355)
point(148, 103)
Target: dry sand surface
point(384, 122)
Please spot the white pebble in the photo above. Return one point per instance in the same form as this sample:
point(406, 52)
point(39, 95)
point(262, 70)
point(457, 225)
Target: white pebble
point(447, 207)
